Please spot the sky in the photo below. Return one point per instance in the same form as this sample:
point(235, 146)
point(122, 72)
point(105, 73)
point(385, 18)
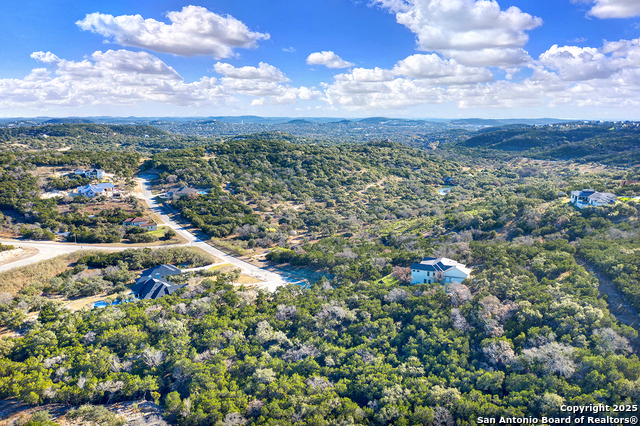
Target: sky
point(570, 59)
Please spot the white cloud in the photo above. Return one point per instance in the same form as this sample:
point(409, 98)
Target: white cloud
point(263, 81)
point(328, 59)
point(440, 71)
point(474, 32)
point(604, 9)
point(118, 78)
point(289, 49)
point(416, 80)
point(393, 6)
point(107, 78)
point(366, 75)
point(579, 63)
point(398, 93)
point(608, 76)
point(264, 72)
point(276, 93)
point(193, 31)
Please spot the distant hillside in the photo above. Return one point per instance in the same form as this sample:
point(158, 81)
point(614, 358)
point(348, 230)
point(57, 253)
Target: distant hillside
point(299, 121)
point(607, 143)
point(68, 120)
point(505, 121)
point(77, 130)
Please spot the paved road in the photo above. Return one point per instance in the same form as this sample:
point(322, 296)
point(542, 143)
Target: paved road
point(271, 280)
point(48, 250)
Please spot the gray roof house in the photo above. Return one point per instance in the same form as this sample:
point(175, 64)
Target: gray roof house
point(152, 283)
point(161, 271)
point(153, 288)
point(591, 197)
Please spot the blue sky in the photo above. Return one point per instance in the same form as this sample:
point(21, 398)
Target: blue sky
point(339, 58)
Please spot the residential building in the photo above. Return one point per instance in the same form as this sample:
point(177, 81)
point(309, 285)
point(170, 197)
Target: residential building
point(89, 173)
point(94, 190)
point(153, 285)
point(591, 197)
point(154, 288)
point(438, 270)
point(161, 271)
point(141, 223)
point(94, 173)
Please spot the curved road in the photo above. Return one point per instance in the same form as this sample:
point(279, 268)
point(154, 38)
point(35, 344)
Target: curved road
point(271, 280)
point(48, 250)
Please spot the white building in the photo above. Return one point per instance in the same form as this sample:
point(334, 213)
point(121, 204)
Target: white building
point(93, 190)
point(438, 270)
point(590, 197)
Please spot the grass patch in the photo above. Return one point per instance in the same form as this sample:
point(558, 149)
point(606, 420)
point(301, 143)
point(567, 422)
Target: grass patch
point(160, 231)
point(40, 273)
point(223, 267)
point(242, 279)
point(228, 246)
point(389, 280)
point(247, 279)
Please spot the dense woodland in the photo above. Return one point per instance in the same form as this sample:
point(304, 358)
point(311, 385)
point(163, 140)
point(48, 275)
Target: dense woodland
point(607, 143)
point(527, 333)
point(97, 137)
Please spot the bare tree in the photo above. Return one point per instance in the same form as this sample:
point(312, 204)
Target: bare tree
point(286, 312)
point(499, 353)
point(492, 315)
point(114, 364)
point(442, 417)
point(152, 357)
point(397, 295)
point(402, 274)
point(554, 357)
point(459, 321)
point(234, 419)
point(459, 293)
point(610, 341)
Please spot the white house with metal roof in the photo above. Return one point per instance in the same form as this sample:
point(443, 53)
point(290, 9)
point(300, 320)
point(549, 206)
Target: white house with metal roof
point(591, 197)
point(93, 190)
point(438, 270)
